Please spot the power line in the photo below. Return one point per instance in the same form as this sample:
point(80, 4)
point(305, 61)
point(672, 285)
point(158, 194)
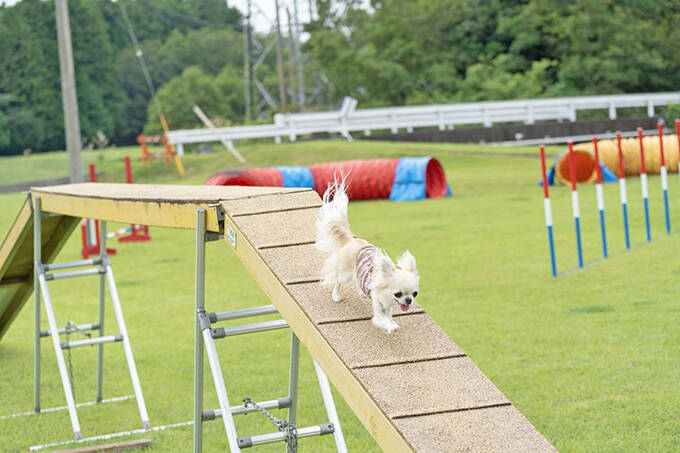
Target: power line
point(140, 57)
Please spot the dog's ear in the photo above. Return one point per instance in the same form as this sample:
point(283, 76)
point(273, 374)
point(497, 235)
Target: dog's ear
point(385, 265)
point(407, 262)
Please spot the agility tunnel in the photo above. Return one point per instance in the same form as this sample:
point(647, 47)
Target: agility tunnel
point(584, 159)
point(408, 178)
point(414, 391)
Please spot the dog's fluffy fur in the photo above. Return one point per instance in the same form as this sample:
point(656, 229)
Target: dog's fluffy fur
point(387, 284)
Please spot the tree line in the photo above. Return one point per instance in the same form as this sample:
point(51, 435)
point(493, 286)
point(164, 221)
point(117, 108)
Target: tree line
point(393, 52)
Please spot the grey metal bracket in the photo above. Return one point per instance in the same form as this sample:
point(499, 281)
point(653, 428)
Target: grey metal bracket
point(211, 236)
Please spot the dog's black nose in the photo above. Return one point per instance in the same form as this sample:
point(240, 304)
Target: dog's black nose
point(408, 300)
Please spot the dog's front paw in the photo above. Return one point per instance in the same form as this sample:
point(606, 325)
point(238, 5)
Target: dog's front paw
point(392, 328)
point(336, 296)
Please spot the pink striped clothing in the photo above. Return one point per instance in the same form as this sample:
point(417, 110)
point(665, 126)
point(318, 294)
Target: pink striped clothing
point(366, 268)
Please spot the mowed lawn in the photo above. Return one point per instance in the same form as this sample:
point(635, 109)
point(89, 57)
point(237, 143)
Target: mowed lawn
point(591, 358)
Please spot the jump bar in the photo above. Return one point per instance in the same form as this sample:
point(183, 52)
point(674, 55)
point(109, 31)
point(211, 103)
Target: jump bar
point(318, 430)
point(280, 403)
point(60, 275)
point(91, 341)
point(93, 326)
point(265, 326)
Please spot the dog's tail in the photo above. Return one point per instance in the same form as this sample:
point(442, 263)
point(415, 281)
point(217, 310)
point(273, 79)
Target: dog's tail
point(332, 225)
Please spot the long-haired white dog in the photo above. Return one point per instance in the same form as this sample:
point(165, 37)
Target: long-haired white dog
point(351, 258)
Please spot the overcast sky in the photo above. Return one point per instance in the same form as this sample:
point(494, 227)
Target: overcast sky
point(264, 12)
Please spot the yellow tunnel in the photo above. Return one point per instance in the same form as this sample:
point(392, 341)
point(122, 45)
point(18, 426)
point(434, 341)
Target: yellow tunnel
point(584, 157)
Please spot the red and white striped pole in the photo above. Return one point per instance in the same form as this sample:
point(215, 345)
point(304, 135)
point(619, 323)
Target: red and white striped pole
point(574, 203)
point(664, 179)
point(548, 214)
point(622, 189)
point(600, 198)
point(643, 184)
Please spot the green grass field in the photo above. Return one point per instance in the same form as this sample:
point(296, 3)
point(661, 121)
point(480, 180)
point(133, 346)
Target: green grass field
point(591, 358)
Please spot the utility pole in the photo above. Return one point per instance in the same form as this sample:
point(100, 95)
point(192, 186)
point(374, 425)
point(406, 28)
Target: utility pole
point(69, 98)
point(300, 76)
point(279, 60)
point(291, 59)
point(247, 70)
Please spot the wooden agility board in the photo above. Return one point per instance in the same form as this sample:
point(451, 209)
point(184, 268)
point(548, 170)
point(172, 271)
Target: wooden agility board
point(414, 390)
point(16, 258)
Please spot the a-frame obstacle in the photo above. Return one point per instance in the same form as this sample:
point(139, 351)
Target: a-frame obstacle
point(415, 390)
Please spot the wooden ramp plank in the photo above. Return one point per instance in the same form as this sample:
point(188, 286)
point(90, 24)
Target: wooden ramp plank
point(295, 264)
point(148, 204)
point(428, 387)
point(275, 229)
point(16, 258)
point(418, 338)
point(317, 304)
point(490, 430)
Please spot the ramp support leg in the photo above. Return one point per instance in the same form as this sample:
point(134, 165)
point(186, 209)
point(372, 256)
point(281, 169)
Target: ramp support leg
point(102, 299)
point(198, 336)
point(293, 377)
point(126, 344)
point(332, 413)
point(37, 259)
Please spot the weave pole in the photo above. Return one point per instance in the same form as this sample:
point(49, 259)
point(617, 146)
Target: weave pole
point(664, 180)
point(600, 198)
point(574, 203)
point(643, 183)
point(548, 215)
point(622, 189)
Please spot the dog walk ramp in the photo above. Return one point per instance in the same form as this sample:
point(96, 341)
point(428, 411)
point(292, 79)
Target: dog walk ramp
point(16, 258)
point(414, 390)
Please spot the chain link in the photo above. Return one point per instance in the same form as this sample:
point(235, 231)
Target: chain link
point(70, 328)
point(288, 428)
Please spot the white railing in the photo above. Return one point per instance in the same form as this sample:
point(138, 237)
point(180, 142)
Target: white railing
point(443, 116)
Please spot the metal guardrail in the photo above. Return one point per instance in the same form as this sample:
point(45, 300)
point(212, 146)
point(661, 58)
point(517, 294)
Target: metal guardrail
point(443, 116)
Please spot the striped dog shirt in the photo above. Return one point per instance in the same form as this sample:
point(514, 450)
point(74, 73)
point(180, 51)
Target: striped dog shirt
point(366, 268)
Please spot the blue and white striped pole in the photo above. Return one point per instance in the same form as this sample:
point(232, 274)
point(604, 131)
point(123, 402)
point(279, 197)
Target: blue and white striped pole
point(574, 203)
point(664, 180)
point(600, 198)
point(548, 215)
point(643, 184)
point(622, 188)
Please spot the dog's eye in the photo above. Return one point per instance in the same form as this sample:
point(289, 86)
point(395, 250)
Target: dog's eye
point(415, 293)
point(398, 295)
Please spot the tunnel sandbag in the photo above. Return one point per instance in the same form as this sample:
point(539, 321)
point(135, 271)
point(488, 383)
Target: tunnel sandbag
point(408, 178)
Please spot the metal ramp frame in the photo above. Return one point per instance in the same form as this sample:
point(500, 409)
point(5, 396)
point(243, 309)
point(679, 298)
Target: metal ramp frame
point(205, 336)
point(101, 266)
